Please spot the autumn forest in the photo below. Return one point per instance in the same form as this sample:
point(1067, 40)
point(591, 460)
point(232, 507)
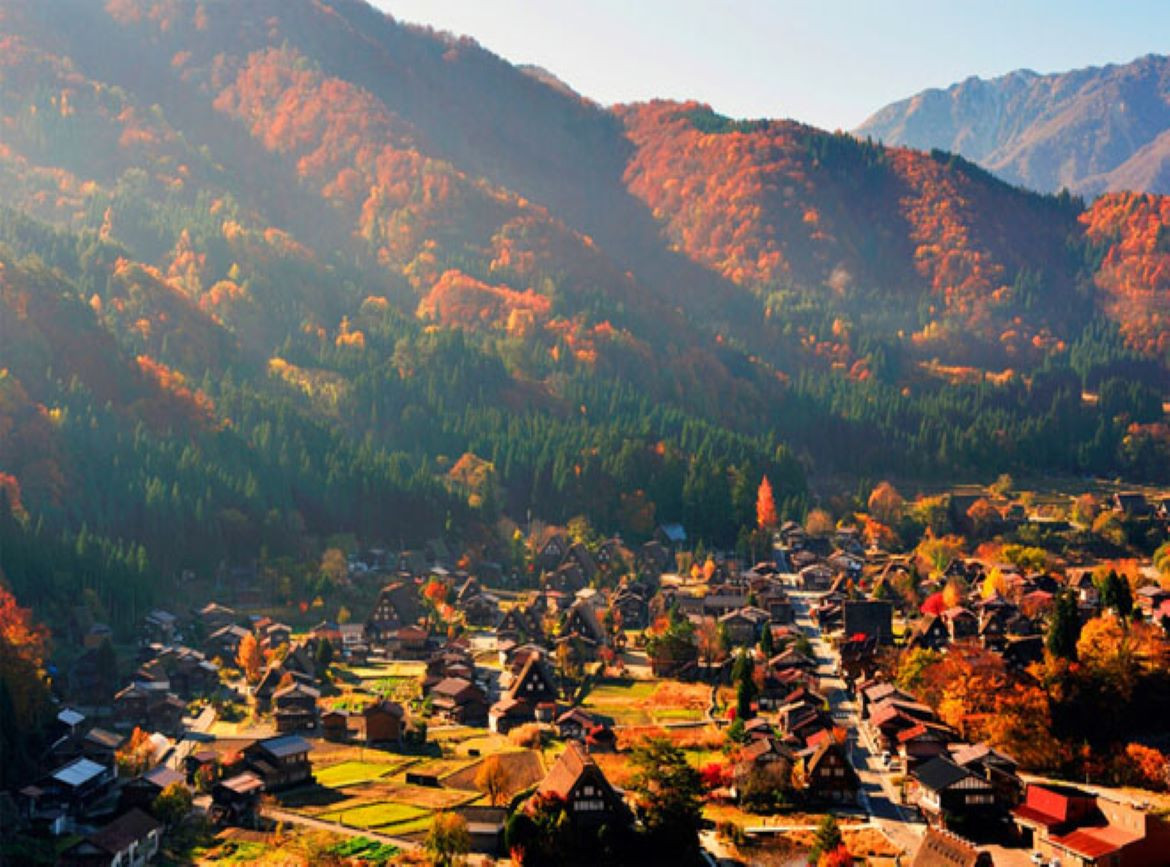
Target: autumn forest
point(300, 270)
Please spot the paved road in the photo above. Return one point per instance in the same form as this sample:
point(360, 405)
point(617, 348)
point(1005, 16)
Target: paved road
point(900, 826)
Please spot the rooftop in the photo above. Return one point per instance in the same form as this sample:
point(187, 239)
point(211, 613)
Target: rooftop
point(79, 772)
point(287, 745)
point(126, 829)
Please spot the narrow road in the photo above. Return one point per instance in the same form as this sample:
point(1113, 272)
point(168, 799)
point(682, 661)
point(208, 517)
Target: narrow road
point(904, 830)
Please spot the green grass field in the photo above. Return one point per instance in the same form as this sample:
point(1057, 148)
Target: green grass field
point(376, 815)
point(399, 668)
point(676, 714)
point(353, 773)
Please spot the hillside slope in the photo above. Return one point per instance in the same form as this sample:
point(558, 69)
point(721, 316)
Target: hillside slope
point(272, 270)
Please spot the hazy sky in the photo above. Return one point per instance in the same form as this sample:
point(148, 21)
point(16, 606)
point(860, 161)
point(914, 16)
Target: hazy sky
point(825, 62)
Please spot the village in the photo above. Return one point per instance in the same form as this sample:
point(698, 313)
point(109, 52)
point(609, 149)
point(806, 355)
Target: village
point(459, 701)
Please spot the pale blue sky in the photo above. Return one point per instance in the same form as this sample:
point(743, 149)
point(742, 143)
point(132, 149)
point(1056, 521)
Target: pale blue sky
point(829, 63)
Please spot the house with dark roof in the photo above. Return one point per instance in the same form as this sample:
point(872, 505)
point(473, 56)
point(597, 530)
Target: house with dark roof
point(654, 558)
point(214, 616)
point(459, 700)
point(576, 779)
point(129, 841)
point(295, 707)
point(234, 799)
point(521, 624)
point(551, 548)
point(385, 721)
point(947, 793)
point(582, 620)
point(397, 606)
point(961, 623)
point(480, 610)
point(745, 625)
point(143, 789)
point(224, 643)
point(995, 767)
point(1132, 504)
point(829, 773)
point(72, 789)
point(634, 609)
point(101, 745)
point(335, 725)
point(929, 633)
point(869, 618)
point(160, 626)
point(280, 762)
point(485, 827)
point(923, 742)
point(531, 688)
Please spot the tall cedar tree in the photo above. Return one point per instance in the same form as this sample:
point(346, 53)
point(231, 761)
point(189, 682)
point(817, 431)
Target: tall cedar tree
point(670, 792)
point(745, 686)
point(1115, 594)
point(766, 517)
point(1065, 627)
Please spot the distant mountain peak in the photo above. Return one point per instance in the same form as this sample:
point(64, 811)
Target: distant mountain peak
point(1092, 130)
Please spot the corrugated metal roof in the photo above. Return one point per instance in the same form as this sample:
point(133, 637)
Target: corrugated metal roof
point(79, 772)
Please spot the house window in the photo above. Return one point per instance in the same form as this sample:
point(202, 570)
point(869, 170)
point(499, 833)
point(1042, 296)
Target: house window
point(589, 805)
point(980, 799)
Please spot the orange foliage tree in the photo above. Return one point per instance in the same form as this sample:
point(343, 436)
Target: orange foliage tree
point(766, 517)
point(886, 504)
point(250, 657)
point(23, 644)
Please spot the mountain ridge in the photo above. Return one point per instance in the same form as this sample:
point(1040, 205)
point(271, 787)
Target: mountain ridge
point(330, 256)
point(1093, 130)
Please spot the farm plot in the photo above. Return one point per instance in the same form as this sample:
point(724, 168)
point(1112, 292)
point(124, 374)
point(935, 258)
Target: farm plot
point(375, 815)
point(354, 773)
point(641, 702)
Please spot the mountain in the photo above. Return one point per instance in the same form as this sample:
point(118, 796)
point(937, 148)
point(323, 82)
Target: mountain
point(1093, 130)
point(275, 271)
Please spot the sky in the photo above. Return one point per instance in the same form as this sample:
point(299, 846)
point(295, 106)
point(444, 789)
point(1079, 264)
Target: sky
point(830, 63)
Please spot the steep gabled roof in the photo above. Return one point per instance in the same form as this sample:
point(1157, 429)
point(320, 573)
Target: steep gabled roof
point(122, 832)
point(939, 774)
point(943, 849)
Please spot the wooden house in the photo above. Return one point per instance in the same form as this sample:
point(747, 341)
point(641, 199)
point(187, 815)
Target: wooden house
point(385, 721)
point(829, 773)
point(397, 606)
point(745, 625)
point(143, 789)
point(280, 762)
point(131, 840)
point(577, 780)
point(235, 799)
point(946, 792)
point(295, 707)
point(459, 700)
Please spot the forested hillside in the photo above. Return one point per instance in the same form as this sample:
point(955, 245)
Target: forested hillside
point(277, 270)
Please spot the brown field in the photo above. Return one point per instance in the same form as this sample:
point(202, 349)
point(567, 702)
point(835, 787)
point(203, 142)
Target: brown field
point(524, 769)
